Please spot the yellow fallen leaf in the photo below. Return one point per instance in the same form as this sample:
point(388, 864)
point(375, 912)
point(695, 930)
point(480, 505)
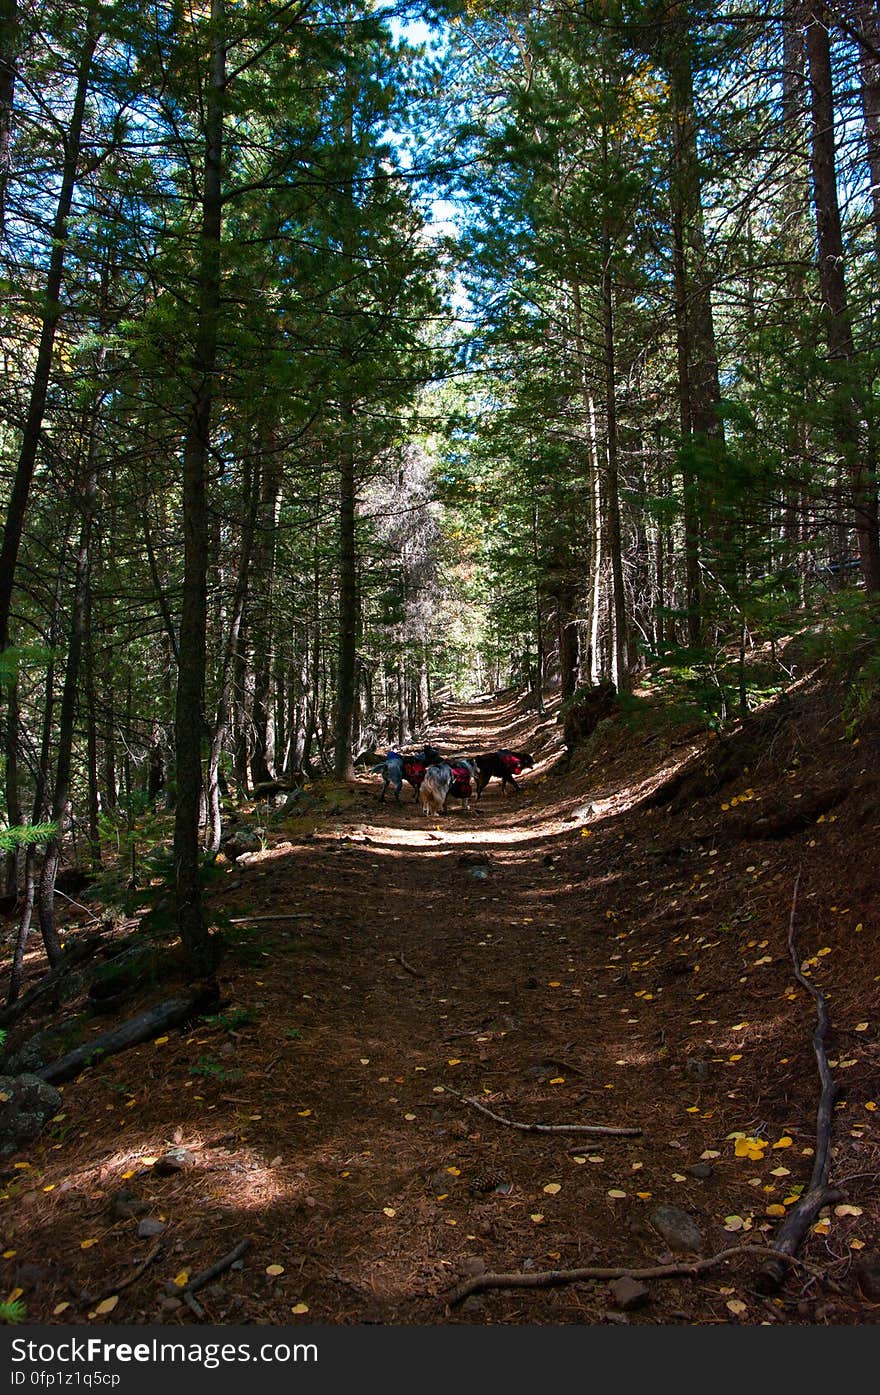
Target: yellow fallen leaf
point(9, 1254)
point(181, 1279)
point(558, 1080)
point(857, 1244)
point(388, 1211)
point(846, 1210)
point(160, 1041)
point(274, 1269)
point(861, 1026)
point(736, 1306)
point(304, 1113)
point(780, 1172)
point(616, 1193)
point(454, 1061)
point(16, 1293)
point(579, 1160)
point(552, 1188)
point(107, 1305)
point(775, 1210)
point(644, 1196)
point(454, 1171)
point(409, 1117)
point(783, 1142)
point(733, 1223)
point(537, 1217)
point(300, 1308)
point(586, 833)
point(59, 1309)
point(822, 1227)
point(869, 1104)
point(87, 1244)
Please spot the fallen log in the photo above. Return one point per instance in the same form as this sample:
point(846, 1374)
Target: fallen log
point(172, 1012)
point(72, 958)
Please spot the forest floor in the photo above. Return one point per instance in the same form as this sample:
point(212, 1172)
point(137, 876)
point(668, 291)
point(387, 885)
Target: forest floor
point(609, 947)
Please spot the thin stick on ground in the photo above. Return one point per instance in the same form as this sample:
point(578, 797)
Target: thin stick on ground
point(797, 1222)
point(604, 1130)
point(399, 959)
point(112, 1289)
point(219, 1268)
point(553, 1278)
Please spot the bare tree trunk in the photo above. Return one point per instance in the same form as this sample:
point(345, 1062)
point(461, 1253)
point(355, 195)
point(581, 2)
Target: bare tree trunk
point(838, 327)
point(33, 427)
point(8, 50)
point(189, 724)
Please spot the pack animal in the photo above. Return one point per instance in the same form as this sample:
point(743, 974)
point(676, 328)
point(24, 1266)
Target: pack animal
point(396, 768)
point(503, 766)
point(457, 778)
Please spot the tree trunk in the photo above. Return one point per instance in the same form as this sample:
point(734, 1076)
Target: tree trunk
point(189, 723)
point(832, 277)
point(32, 432)
point(8, 51)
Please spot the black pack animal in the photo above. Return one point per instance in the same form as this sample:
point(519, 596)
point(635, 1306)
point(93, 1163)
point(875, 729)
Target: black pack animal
point(396, 768)
point(503, 766)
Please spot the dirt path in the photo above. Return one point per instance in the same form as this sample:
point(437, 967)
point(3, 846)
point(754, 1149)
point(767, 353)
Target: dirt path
point(563, 961)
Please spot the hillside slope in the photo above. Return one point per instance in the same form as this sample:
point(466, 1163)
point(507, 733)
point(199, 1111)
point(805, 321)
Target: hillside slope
point(608, 948)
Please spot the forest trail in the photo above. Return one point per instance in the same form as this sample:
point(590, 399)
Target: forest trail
point(566, 956)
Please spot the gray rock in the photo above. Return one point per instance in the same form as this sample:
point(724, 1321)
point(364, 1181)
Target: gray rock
point(679, 1230)
point(125, 1205)
point(629, 1293)
point(27, 1103)
point(701, 1170)
point(148, 1228)
point(45, 1046)
point(243, 840)
point(473, 1265)
point(479, 874)
point(695, 1069)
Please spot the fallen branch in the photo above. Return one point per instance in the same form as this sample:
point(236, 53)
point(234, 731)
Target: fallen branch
point(603, 1129)
point(112, 1289)
point(552, 1278)
point(260, 919)
point(798, 1220)
point(71, 959)
point(219, 1268)
point(399, 959)
point(172, 1012)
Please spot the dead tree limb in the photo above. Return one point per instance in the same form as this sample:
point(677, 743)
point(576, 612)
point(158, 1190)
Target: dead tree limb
point(554, 1278)
point(601, 1129)
point(220, 1267)
point(399, 959)
point(798, 1220)
point(112, 1289)
point(172, 1012)
point(71, 959)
